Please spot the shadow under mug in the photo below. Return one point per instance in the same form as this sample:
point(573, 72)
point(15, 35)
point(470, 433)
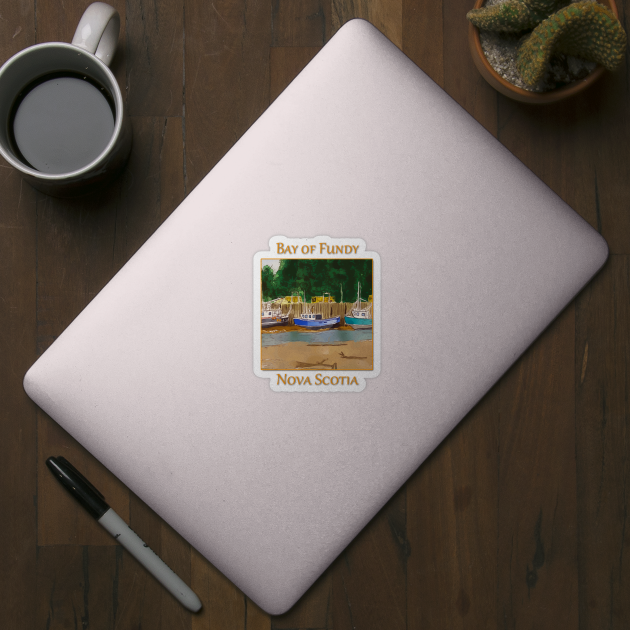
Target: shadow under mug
point(88, 56)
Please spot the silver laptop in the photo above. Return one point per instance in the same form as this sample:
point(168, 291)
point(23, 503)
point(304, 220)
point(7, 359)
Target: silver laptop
point(317, 315)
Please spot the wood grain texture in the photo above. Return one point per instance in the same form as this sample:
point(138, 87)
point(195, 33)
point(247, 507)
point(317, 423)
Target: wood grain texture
point(519, 519)
point(76, 587)
point(602, 380)
point(369, 577)
point(537, 510)
point(452, 516)
point(422, 36)
point(300, 22)
point(18, 416)
point(154, 57)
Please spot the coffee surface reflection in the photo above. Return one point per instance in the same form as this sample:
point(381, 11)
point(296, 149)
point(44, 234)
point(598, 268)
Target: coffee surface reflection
point(62, 123)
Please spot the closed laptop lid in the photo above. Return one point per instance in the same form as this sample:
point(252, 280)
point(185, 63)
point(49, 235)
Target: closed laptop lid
point(169, 378)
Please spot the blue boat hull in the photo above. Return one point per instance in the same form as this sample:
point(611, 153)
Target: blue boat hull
point(358, 322)
point(316, 324)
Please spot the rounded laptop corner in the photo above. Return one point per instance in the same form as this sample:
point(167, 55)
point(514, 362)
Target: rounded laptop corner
point(29, 382)
point(602, 252)
point(275, 600)
point(278, 606)
point(32, 384)
point(357, 23)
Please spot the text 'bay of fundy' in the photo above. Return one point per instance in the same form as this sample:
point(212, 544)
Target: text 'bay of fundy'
point(321, 248)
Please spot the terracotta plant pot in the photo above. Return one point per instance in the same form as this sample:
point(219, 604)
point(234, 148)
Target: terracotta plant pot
point(519, 94)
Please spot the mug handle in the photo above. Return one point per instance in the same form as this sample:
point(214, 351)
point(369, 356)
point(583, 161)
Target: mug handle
point(98, 30)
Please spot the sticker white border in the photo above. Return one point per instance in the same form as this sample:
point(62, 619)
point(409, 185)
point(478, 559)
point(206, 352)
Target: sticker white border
point(306, 250)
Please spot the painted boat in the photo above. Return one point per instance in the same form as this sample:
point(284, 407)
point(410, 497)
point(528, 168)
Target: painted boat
point(272, 315)
point(359, 318)
point(315, 321)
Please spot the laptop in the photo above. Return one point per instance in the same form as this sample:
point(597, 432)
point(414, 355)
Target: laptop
point(316, 316)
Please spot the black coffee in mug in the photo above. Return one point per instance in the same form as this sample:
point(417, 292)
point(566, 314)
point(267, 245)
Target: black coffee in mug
point(61, 122)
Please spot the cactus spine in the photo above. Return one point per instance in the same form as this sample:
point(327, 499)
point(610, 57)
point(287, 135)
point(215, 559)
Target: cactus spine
point(513, 16)
point(584, 29)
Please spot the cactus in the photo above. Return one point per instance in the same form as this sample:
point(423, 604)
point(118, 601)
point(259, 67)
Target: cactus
point(584, 29)
point(513, 16)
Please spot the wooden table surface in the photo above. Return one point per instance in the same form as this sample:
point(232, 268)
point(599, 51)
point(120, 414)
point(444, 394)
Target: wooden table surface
point(518, 520)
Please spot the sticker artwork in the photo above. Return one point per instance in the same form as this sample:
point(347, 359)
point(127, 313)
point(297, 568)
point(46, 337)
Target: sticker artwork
point(317, 314)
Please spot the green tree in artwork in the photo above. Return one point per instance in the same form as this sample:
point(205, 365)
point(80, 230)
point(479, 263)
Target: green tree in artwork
point(268, 284)
point(316, 276)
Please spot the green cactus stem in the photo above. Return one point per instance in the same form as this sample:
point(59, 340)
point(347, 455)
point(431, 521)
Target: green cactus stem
point(513, 16)
point(584, 29)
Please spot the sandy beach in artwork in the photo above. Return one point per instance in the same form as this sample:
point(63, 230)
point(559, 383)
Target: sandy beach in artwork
point(302, 355)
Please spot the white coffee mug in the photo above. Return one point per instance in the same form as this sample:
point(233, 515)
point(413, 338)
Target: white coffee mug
point(61, 105)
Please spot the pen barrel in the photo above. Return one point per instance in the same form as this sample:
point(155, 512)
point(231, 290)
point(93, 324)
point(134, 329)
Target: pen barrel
point(149, 559)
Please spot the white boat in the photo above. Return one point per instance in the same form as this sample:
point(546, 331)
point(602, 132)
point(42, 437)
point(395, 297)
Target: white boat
point(360, 317)
point(272, 315)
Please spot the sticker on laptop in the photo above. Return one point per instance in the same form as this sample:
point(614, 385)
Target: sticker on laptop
point(317, 324)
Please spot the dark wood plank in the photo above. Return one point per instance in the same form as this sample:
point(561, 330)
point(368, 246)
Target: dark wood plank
point(452, 527)
point(369, 577)
point(76, 587)
point(422, 36)
point(386, 15)
point(154, 57)
point(300, 22)
point(18, 415)
point(18, 422)
point(17, 28)
point(603, 443)
point(537, 537)
point(226, 78)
